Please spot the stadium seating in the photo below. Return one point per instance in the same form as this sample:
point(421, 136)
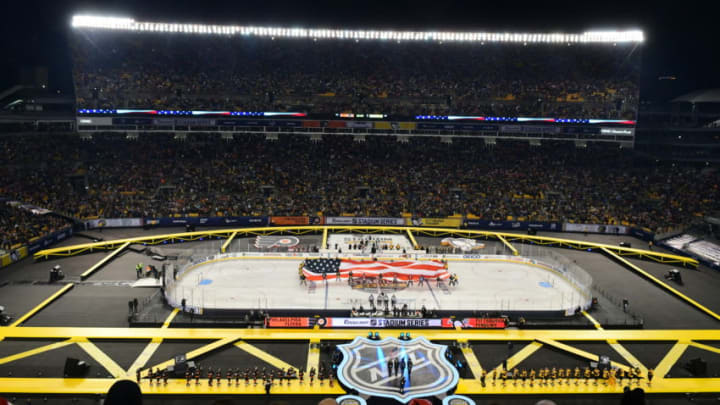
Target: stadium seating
point(156, 175)
point(197, 72)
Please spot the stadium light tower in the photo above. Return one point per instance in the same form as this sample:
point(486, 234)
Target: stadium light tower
point(129, 24)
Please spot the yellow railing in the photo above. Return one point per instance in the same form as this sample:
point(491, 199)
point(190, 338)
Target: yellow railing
point(319, 229)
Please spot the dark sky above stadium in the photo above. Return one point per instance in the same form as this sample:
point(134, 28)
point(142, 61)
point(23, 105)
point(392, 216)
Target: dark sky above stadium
point(681, 36)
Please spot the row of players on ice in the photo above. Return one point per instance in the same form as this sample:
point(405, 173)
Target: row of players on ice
point(364, 281)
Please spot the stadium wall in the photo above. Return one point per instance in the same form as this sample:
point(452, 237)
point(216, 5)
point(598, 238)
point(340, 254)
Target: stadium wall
point(34, 246)
point(450, 222)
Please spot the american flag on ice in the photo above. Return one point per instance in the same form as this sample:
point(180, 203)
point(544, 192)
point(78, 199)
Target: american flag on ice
point(313, 269)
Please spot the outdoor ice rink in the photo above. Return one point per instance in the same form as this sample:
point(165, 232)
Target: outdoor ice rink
point(274, 284)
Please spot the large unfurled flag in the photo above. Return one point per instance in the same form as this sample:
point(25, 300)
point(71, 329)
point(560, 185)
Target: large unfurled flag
point(313, 269)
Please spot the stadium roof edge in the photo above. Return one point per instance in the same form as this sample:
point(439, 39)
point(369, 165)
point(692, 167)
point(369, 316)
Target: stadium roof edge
point(129, 24)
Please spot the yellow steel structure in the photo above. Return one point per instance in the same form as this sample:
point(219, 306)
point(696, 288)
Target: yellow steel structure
point(320, 229)
point(239, 337)
point(242, 338)
point(508, 245)
point(472, 360)
point(102, 262)
point(151, 347)
point(412, 239)
point(52, 332)
point(592, 320)
point(662, 284)
point(110, 365)
point(227, 243)
point(263, 355)
point(42, 305)
point(313, 356)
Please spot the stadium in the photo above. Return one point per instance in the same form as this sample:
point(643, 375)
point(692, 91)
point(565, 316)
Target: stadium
point(262, 214)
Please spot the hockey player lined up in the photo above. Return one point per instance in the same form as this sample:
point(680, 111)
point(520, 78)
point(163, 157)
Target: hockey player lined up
point(532, 377)
point(576, 375)
point(312, 374)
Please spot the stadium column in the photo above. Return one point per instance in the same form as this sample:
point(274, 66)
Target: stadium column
point(325, 237)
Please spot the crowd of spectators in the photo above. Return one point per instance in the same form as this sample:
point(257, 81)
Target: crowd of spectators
point(156, 176)
point(18, 226)
point(191, 72)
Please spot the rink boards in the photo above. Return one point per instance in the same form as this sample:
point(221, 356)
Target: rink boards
point(486, 283)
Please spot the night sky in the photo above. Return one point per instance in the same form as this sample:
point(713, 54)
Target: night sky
point(681, 36)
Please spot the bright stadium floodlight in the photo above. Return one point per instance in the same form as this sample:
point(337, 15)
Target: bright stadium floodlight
point(128, 24)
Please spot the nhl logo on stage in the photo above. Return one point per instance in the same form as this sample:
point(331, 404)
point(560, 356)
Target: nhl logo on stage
point(391, 368)
point(276, 241)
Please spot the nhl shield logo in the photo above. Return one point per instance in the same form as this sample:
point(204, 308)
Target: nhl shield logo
point(392, 368)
